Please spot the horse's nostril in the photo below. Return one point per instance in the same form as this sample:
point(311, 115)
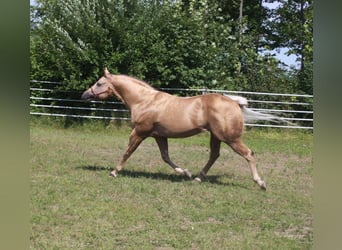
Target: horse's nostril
point(86, 95)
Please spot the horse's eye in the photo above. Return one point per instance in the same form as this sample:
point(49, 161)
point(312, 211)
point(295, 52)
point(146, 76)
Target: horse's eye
point(98, 84)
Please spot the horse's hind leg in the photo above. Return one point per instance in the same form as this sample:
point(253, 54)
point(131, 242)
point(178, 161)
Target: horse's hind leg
point(134, 142)
point(239, 147)
point(164, 151)
point(215, 145)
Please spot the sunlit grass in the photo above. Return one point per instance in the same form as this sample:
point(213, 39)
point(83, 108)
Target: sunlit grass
point(75, 205)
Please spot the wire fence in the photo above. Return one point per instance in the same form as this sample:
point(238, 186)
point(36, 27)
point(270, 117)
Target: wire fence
point(51, 99)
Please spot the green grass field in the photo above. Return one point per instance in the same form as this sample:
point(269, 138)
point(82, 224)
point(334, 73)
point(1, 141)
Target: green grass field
point(75, 205)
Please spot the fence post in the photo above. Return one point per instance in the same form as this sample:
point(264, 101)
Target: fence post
point(205, 91)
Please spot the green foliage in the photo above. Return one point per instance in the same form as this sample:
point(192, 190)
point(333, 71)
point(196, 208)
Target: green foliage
point(292, 27)
point(167, 43)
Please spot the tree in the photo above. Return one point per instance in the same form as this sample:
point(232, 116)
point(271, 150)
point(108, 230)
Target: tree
point(291, 26)
point(189, 43)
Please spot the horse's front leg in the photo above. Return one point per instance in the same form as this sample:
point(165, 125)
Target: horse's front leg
point(164, 151)
point(134, 142)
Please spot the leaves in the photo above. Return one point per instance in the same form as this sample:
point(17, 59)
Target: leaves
point(167, 43)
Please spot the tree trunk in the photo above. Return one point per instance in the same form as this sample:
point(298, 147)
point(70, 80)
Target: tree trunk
point(302, 68)
point(240, 16)
point(240, 33)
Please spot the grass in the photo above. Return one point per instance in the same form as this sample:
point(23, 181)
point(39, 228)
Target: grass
point(75, 205)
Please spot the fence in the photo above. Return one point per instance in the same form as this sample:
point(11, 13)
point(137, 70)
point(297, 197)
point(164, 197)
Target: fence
point(49, 99)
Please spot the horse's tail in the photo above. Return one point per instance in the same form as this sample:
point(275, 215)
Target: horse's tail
point(252, 116)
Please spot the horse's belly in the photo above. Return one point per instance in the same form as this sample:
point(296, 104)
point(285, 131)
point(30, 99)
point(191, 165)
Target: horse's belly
point(176, 130)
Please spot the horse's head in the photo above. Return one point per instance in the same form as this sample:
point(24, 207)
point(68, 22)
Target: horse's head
point(101, 89)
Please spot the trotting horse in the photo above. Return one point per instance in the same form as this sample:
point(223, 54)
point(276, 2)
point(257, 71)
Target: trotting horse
point(160, 115)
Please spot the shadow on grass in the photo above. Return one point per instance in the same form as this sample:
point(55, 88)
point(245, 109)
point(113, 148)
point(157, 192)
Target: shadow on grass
point(213, 179)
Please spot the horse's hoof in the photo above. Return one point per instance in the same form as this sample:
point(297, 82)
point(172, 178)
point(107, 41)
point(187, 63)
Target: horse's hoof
point(187, 173)
point(263, 186)
point(197, 179)
point(112, 174)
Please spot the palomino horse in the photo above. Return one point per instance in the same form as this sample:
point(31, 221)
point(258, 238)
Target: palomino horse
point(161, 115)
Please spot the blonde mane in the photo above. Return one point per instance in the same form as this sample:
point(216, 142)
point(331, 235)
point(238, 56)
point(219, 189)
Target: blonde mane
point(139, 82)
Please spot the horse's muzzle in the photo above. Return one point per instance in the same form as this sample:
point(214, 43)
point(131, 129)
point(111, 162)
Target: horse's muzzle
point(87, 95)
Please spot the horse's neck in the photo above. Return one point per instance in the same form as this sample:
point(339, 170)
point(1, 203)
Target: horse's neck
point(132, 91)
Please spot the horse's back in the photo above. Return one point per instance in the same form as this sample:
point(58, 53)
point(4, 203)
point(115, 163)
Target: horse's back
point(206, 107)
point(216, 112)
point(221, 104)
point(171, 116)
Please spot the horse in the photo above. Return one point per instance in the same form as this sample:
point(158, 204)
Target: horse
point(161, 115)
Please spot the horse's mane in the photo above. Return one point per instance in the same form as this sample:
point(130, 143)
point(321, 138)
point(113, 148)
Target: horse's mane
point(139, 82)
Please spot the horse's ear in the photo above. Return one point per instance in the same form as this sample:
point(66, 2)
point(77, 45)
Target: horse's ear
point(106, 72)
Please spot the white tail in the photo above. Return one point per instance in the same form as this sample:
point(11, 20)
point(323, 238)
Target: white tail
point(252, 116)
